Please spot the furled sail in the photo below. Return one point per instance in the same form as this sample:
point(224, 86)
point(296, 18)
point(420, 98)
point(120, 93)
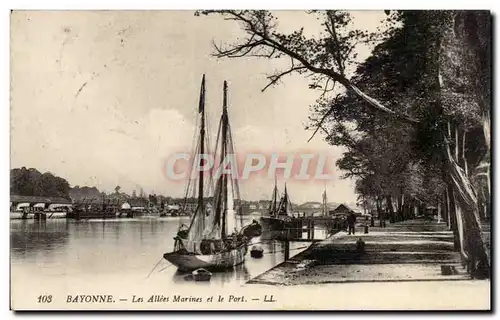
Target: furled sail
point(274, 200)
point(197, 225)
point(224, 220)
point(284, 208)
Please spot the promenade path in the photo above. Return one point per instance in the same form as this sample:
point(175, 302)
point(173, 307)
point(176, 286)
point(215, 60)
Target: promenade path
point(413, 250)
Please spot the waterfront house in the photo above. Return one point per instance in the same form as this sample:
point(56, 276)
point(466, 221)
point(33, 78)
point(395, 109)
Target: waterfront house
point(343, 209)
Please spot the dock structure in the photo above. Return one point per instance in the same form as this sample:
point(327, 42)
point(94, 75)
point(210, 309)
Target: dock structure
point(36, 206)
point(413, 250)
point(310, 225)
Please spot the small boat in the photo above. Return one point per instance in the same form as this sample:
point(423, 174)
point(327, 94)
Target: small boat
point(201, 275)
point(256, 252)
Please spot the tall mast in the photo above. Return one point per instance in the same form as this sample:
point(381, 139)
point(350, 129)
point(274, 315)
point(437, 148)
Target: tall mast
point(275, 195)
point(285, 200)
point(201, 110)
point(103, 204)
point(325, 202)
point(223, 156)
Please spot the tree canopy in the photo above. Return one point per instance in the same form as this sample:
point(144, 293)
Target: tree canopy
point(414, 116)
point(31, 182)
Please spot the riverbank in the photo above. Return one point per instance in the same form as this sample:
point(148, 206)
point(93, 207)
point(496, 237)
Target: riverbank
point(414, 250)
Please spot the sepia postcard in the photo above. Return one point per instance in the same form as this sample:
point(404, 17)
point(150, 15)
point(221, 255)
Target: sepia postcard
point(250, 160)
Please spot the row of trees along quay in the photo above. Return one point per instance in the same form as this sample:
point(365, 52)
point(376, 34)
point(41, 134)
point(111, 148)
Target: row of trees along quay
point(414, 116)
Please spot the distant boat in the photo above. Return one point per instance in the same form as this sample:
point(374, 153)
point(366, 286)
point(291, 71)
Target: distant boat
point(280, 219)
point(208, 242)
point(90, 210)
point(16, 214)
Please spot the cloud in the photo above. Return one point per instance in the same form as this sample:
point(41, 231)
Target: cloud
point(102, 111)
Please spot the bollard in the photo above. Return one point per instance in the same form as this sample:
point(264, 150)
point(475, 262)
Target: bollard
point(308, 229)
point(312, 229)
point(287, 250)
point(366, 229)
point(360, 246)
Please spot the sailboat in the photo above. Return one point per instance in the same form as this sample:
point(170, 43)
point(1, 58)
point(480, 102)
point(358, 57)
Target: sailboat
point(280, 216)
point(213, 239)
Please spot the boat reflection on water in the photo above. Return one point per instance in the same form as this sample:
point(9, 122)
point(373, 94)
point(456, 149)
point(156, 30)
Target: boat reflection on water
point(30, 237)
point(103, 249)
point(237, 274)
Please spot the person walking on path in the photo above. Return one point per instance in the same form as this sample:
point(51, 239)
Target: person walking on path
point(351, 220)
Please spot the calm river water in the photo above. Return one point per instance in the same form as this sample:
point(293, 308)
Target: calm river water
point(60, 252)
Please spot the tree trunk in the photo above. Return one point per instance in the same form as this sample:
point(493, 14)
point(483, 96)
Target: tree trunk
point(364, 204)
point(460, 226)
point(486, 121)
point(440, 217)
point(407, 209)
point(465, 38)
point(488, 181)
point(445, 209)
point(400, 207)
point(466, 200)
point(453, 217)
point(464, 159)
point(487, 211)
point(388, 199)
point(381, 216)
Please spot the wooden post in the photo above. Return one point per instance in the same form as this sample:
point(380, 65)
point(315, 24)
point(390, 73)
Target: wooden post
point(308, 229)
point(312, 229)
point(300, 226)
point(439, 211)
point(287, 249)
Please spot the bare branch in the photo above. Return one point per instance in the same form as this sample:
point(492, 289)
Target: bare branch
point(267, 40)
point(325, 89)
point(320, 124)
point(276, 77)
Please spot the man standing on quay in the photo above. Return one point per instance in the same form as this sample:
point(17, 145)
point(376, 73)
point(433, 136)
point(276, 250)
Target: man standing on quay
point(351, 220)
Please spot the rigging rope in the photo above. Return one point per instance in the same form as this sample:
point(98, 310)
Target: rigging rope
point(195, 142)
point(235, 188)
point(165, 268)
point(154, 268)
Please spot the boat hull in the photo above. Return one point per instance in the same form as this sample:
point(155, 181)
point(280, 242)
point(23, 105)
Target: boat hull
point(16, 215)
point(90, 215)
point(223, 260)
point(291, 228)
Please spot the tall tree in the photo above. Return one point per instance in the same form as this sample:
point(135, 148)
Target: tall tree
point(30, 182)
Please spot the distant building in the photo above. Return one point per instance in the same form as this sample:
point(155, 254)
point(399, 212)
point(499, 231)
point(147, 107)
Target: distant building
point(189, 204)
point(264, 204)
point(343, 210)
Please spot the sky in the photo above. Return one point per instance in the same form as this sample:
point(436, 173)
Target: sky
point(103, 98)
